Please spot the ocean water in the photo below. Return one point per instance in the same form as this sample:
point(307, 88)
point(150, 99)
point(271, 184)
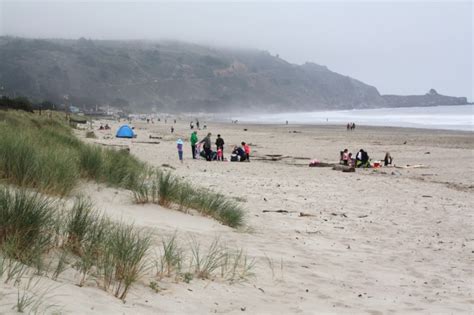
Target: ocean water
point(435, 117)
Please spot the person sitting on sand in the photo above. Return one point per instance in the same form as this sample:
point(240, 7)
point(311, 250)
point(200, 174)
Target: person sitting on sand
point(345, 157)
point(388, 159)
point(238, 154)
point(362, 159)
point(101, 127)
point(350, 160)
point(107, 127)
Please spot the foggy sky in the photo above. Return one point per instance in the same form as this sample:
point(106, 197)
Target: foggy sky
point(399, 47)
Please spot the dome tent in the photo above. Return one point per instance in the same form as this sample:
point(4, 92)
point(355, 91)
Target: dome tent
point(125, 132)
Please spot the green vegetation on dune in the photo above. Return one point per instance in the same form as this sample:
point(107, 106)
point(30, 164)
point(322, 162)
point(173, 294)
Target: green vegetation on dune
point(31, 227)
point(41, 152)
point(162, 188)
point(44, 236)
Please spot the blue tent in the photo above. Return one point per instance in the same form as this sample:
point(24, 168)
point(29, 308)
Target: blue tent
point(124, 132)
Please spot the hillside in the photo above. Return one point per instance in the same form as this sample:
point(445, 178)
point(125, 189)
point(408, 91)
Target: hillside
point(171, 76)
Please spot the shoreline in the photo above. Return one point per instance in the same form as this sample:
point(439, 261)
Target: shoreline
point(343, 127)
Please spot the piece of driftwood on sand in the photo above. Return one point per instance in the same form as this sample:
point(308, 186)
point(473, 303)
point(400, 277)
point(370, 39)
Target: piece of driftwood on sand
point(278, 211)
point(147, 142)
point(412, 166)
point(113, 145)
point(324, 164)
point(344, 168)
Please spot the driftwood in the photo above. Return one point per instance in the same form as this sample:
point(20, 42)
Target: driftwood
point(113, 145)
point(147, 142)
point(413, 166)
point(155, 137)
point(323, 164)
point(78, 121)
point(302, 214)
point(343, 168)
point(277, 211)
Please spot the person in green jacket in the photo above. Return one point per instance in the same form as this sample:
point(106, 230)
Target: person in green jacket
point(194, 140)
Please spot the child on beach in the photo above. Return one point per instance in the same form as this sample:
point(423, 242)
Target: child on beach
point(179, 146)
point(219, 155)
point(246, 148)
point(345, 157)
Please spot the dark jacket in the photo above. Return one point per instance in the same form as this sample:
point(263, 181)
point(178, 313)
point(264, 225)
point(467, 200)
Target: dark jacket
point(207, 142)
point(220, 142)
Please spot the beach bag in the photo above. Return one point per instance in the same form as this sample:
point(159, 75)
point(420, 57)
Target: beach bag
point(234, 158)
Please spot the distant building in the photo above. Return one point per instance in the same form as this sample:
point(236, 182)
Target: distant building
point(74, 109)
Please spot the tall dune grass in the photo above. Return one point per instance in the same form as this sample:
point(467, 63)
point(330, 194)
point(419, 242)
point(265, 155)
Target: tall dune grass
point(44, 154)
point(27, 225)
point(31, 227)
point(163, 188)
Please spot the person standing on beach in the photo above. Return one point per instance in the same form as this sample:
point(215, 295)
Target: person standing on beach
point(179, 146)
point(220, 144)
point(387, 159)
point(194, 140)
point(207, 146)
point(246, 148)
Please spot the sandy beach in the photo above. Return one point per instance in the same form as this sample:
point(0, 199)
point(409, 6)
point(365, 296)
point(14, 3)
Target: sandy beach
point(377, 241)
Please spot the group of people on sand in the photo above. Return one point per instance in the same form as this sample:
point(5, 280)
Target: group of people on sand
point(106, 127)
point(198, 125)
point(361, 159)
point(351, 126)
point(204, 149)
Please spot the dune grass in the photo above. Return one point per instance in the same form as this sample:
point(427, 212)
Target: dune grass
point(162, 188)
point(27, 225)
point(128, 248)
point(202, 262)
point(31, 227)
point(171, 257)
point(42, 153)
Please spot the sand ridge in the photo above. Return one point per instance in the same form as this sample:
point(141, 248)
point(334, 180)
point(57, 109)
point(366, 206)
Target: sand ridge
point(392, 240)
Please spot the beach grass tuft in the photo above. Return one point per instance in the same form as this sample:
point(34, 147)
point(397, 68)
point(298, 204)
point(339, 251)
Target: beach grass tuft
point(171, 257)
point(165, 189)
point(26, 225)
point(44, 154)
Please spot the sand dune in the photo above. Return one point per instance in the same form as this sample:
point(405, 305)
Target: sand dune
point(392, 240)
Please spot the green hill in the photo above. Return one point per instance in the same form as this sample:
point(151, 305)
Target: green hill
point(172, 76)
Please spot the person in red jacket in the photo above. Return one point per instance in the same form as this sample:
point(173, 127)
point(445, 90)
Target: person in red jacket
point(246, 148)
